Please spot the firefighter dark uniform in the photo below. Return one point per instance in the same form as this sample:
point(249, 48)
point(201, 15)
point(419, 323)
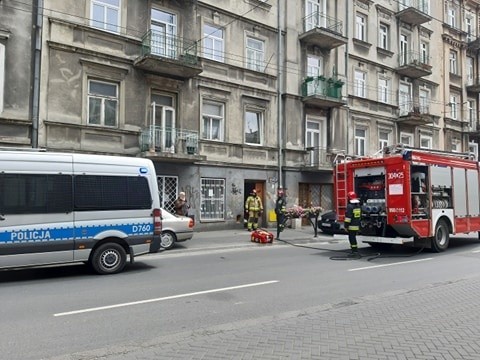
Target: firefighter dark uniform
point(352, 220)
point(280, 209)
point(254, 207)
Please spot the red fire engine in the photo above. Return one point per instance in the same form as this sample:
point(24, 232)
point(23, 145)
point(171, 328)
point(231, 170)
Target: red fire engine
point(411, 195)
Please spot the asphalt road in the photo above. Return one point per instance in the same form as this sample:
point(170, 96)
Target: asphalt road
point(70, 313)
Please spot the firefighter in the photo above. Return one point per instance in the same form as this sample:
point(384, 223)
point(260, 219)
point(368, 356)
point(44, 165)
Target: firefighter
point(280, 209)
point(254, 207)
point(352, 221)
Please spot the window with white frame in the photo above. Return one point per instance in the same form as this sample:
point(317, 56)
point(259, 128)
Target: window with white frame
point(255, 54)
point(470, 70)
point(425, 141)
point(456, 146)
point(424, 53)
point(212, 120)
point(384, 138)
point(2, 75)
point(453, 106)
point(383, 90)
point(361, 27)
point(360, 141)
point(406, 139)
point(452, 16)
point(102, 103)
point(469, 28)
point(213, 43)
point(212, 200)
point(453, 62)
point(471, 114)
point(105, 14)
point(360, 83)
point(253, 127)
point(383, 36)
point(473, 148)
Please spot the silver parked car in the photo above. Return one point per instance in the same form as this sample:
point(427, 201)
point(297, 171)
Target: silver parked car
point(175, 228)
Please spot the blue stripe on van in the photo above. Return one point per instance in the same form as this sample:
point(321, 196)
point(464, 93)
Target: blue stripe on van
point(79, 233)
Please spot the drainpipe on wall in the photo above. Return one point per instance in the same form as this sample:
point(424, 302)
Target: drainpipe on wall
point(279, 96)
point(37, 53)
point(346, 77)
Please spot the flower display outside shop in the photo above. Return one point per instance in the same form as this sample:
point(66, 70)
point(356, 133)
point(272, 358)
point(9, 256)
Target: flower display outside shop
point(311, 213)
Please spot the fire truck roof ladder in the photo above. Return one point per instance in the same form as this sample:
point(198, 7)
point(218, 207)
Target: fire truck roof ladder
point(400, 148)
point(341, 180)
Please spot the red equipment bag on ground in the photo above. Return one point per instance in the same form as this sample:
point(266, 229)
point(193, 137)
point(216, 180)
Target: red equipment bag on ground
point(261, 236)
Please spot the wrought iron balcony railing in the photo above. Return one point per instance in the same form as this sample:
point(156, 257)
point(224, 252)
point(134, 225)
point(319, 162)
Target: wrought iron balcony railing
point(414, 108)
point(318, 157)
point(414, 58)
point(319, 20)
point(320, 85)
point(169, 140)
point(169, 46)
point(420, 5)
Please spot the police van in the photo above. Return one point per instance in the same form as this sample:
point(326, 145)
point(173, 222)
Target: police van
point(58, 208)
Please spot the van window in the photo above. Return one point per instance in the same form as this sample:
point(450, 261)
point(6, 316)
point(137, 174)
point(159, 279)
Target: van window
point(111, 193)
point(35, 194)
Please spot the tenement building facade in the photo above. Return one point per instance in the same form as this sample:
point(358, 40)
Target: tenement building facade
point(226, 96)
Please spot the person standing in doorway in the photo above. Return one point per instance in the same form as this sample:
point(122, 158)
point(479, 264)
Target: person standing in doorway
point(181, 205)
point(254, 207)
point(352, 221)
point(280, 209)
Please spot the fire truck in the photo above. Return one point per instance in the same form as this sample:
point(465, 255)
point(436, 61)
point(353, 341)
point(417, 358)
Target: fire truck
point(411, 196)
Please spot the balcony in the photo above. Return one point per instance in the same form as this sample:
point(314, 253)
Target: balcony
point(413, 65)
point(473, 129)
point(317, 158)
point(473, 42)
point(416, 12)
point(413, 113)
point(170, 144)
point(473, 85)
point(168, 55)
point(322, 31)
point(322, 92)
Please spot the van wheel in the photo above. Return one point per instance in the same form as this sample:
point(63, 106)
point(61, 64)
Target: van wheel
point(109, 258)
point(441, 238)
point(167, 240)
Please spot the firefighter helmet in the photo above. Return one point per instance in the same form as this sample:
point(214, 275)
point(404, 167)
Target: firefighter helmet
point(351, 195)
point(253, 192)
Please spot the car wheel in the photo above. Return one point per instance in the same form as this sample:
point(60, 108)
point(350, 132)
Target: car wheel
point(441, 238)
point(109, 258)
point(168, 240)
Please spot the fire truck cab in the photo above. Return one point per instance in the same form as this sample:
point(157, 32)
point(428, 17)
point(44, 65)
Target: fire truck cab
point(411, 196)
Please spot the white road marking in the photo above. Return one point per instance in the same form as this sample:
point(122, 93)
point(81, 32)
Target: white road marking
point(476, 251)
point(384, 265)
point(75, 312)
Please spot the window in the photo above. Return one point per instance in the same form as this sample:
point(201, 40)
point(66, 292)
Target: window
point(453, 62)
point(360, 83)
point(384, 138)
point(383, 34)
point(105, 14)
point(360, 141)
point(424, 101)
point(453, 106)
point(406, 139)
point(456, 146)
point(163, 40)
point(168, 192)
point(94, 193)
point(213, 43)
point(424, 53)
point(404, 49)
point(473, 148)
point(213, 120)
point(452, 16)
point(425, 141)
point(212, 201)
point(360, 27)
point(35, 194)
point(469, 70)
point(471, 114)
point(2, 75)
point(102, 103)
point(469, 27)
point(255, 54)
point(253, 127)
point(383, 90)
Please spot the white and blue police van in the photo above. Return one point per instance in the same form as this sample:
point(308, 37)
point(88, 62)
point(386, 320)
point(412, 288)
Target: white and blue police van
point(58, 208)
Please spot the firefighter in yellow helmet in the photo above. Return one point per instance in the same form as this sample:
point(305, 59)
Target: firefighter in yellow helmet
point(254, 207)
point(352, 221)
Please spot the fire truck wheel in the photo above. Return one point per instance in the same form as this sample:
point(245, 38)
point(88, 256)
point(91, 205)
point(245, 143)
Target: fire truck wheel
point(441, 238)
